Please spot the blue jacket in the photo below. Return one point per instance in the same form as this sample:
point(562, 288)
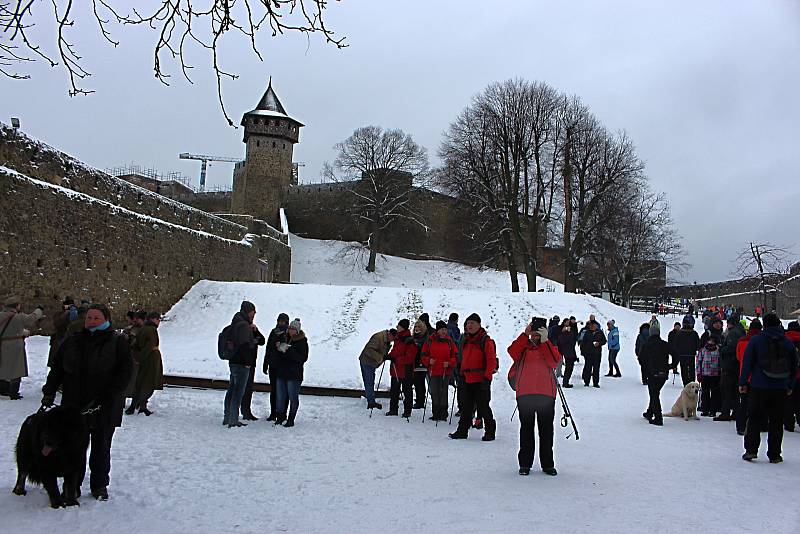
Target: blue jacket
point(613, 339)
point(757, 350)
point(453, 331)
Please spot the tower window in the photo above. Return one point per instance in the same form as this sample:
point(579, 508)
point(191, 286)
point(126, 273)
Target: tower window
point(284, 146)
point(258, 143)
point(273, 144)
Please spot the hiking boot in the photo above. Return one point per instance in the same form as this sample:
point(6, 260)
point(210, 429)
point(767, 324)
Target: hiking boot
point(279, 419)
point(130, 410)
point(271, 417)
point(491, 428)
point(723, 417)
point(776, 459)
point(609, 374)
point(749, 456)
point(657, 420)
point(647, 415)
point(145, 411)
point(237, 424)
point(418, 405)
point(618, 375)
point(586, 384)
point(524, 471)
point(391, 412)
point(101, 494)
point(568, 385)
point(289, 423)
point(250, 417)
point(460, 433)
point(375, 405)
point(597, 385)
point(406, 414)
point(550, 471)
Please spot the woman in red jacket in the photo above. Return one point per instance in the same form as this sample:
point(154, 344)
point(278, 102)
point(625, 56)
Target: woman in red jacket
point(535, 359)
point(439, 356)
point(401, 369)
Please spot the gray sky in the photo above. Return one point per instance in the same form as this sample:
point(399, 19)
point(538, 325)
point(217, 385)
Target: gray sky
point(707, 91)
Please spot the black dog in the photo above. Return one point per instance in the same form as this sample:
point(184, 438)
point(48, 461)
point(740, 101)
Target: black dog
point(53, 444)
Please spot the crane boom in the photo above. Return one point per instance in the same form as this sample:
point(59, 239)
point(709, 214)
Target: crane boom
point(204, 163)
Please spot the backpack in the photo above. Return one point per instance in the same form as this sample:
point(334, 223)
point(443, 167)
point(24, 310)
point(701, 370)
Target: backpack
point(777, 361)
point(225, 346)
point(482, 345)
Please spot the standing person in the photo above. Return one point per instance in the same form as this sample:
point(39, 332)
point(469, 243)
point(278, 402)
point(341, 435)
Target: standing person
point(613, 349)
point(439, 356)
point(293, 349)
point(655, 353)
point(129, 333)
point(452, 328)
point(708, 374)
point(566, 347)
point(714, 332)
point(421, 334)
point(741, 346)
point(553, 328)
point(771, 361)
point(270, 356)
point(477, 366)
point(15, 326)
point(150, 377)
point(61, 320)
point(375, 352)
point(675, 329)
point(792, 412)
point(535, 359)
point(92, 369)
point(684, 347)
point(592, 350)
point(401, 369)
point(246, 407)
point(245, 338)
point(729, 370)
point(641, 339)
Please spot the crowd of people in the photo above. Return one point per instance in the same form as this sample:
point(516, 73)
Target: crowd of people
point(747, 373)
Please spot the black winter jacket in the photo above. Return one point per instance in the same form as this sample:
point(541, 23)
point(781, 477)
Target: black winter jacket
point(92, 369)
point(655, 356)
point(685, 343)
point(246, 340)
point(289, 365)
point(727, 351)
point(587, 345)
point(566, 344)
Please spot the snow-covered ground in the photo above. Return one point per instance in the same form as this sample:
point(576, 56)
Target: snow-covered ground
point(340, 471)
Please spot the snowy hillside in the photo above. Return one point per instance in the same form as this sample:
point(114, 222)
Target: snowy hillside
point(323, 262)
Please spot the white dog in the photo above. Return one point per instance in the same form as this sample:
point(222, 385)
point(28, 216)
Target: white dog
point(686, 405)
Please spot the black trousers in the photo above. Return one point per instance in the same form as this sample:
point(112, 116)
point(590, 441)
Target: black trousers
point(536, 410)
point(438, 389)
point(99, 457)
point(475, 396)
point(643, 369)
point(569, 366)
point(766, 404)
point(248, 392)
point(10, 387)
point(406, 385)
point(654, 385)
point(709, 394)
point(792, 411)
point(419, 386)
point(591, 368)
point(687, 369)
point(729, 391)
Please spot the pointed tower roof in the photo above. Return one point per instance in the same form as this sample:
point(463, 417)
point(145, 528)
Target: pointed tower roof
point(270, 101)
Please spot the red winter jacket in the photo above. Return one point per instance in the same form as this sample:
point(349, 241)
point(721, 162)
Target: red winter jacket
point(534, 366)
point(436, 352)
point(741, 345)
point(403, 353)
point(794, 337)
point(477, 364)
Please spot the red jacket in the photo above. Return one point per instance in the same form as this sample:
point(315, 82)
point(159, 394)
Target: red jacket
point(403, 353)
point(794, 337)
point(741, 345)
point(439, 351)
point(534, 366)
point(477, 364)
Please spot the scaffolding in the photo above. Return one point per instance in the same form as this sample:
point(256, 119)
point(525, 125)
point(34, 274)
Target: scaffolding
point(151, 173)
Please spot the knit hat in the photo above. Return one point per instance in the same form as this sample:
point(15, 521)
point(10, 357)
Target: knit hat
point(771, 319)
point(403, 323)
point(453, 317)
point(440, 324)
point(793, 326)
point(68, 301)
point(755, 324)
point(474, 317)
point(611, 323)
point(247, 307)
point(283, 317)
point(295, 325)
point(688, 320)
point(655, 328)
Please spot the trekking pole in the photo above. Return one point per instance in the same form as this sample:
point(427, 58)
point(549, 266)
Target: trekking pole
point(443, 393)
point(566, 418)
point(453, 404)
point(380, 379)
point(427, 392)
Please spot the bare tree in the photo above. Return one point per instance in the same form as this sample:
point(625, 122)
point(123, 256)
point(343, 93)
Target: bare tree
point(767, 263)
point(379, 169)
point(178, 24)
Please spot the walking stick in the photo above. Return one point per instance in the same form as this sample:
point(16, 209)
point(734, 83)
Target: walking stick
point(427, 392)
point(380, 379)
point(453, 404)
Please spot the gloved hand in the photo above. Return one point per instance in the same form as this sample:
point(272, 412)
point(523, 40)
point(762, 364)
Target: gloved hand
point(48, 400)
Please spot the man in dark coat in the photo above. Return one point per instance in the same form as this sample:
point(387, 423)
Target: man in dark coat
point(641, 339)
point(92, 368)
point(685, 344)
point(770, 361)
point(592, 350)
point(729, 367)
point(245, 338)
point(269, 358)
point(656, 353)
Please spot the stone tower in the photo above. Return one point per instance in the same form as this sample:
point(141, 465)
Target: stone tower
point(261, 181)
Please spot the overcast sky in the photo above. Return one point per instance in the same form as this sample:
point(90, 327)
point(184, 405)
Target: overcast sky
point(707, 90)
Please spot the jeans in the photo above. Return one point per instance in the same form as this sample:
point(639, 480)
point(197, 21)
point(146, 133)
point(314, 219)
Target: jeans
point(769, 405)
point(368, 375)
point(613, 367)
point(99, 458)
point(531, 406)
point(288, 394)
point(233, 398)
point(247, 396)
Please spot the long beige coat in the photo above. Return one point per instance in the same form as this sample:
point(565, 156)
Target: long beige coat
point(13, 359)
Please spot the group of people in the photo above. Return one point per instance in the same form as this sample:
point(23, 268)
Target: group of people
point(284, 360)
point(148, 366)
point(589, 341)
point(747, 373)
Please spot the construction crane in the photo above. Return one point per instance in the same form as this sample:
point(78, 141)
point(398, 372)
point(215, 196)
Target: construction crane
point(204, 164)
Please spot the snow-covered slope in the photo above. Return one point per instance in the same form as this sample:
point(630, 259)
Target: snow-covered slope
point(325, 262)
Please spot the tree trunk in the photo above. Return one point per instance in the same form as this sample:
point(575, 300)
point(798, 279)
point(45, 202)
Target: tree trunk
point(372, 244)
point(512, 262)
point(569, 282)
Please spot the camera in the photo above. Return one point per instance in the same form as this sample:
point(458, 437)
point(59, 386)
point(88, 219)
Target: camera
point(538, 322)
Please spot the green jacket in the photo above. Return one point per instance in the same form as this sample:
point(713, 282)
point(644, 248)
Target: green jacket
point(376, 349)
